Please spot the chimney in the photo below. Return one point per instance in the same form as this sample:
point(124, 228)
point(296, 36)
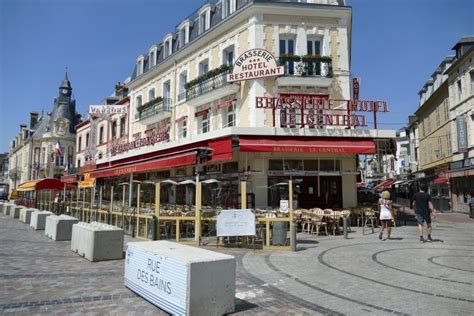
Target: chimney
point(33, 119)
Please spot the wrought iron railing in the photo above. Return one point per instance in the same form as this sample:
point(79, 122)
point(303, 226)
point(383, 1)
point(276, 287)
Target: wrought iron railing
point(208, 85)
point(301, 67)
point(163, 106)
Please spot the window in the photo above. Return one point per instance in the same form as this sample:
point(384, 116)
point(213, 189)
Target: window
point(122, 126)
point(228, 56)
point(438, 123)
point(228, 7)
point(183, 129)
point(151, 94)
point(450, 148)
point(79, 144)
point(101, 135)
point(203, 22)
point(446, 109)
point(87, 140)
point(140, 64)
point(428, 123)
point(287, 47)
point(459, 84)
point(203, 66)
point(313, 47)
point(440, 148)
point(230, 118)
point(471, 74)
point(168, 45)
point(152, 57)
point(78, 163)
point(114, 129)
point(204, 123)
point(183, 78)
point(138, 101)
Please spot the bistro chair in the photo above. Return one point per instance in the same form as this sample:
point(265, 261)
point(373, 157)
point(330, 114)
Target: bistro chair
point(317, 223)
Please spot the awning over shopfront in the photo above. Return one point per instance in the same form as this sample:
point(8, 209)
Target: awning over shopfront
point(387, 184)
point(307, 145)
point(440, 181)
point(167, 162)
point(461, 173)
point(41, 184)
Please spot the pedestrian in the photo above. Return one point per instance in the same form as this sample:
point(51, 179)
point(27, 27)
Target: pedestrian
point(424, 210)
point(386, 214)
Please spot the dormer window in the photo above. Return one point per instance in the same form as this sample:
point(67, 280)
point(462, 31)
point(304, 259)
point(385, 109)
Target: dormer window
point(204, 18)
point(183, 37)
point(152, 56)
point(140, 65)
point(168, 45)
point(228, 7)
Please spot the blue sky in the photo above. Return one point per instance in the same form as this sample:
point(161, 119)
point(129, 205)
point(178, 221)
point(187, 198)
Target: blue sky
point(396, 45)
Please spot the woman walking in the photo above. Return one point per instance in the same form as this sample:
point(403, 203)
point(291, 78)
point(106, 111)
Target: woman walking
point(386, 214)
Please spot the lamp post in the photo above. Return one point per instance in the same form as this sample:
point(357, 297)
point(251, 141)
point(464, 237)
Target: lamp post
point(201, 157)
point(123, 184)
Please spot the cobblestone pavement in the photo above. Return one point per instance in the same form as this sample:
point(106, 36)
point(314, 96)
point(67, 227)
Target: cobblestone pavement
point(327, 275)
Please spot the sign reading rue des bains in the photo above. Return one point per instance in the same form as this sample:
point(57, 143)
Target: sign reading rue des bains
point(254, 64)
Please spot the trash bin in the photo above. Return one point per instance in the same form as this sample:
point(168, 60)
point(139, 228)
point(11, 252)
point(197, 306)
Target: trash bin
point(279, 233)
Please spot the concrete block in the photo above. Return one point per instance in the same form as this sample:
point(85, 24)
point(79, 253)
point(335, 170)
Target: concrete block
point(25, 215)
point(180, 279)
point(38, 219)
point(1, 206)
point(59, 227)
point(15, 211)
point(8, 209)
point(97, 241)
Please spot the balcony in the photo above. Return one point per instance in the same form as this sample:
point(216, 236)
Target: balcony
point(210, 89)
point(306, 71)
point(158, 108)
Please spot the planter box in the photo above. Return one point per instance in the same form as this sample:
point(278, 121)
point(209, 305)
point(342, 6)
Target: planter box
point(181, 280)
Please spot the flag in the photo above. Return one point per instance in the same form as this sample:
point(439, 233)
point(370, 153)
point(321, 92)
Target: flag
point(57, 149)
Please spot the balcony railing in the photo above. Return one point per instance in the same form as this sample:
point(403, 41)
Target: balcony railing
point(306, 67)
point(164, 105)
point(208, 85)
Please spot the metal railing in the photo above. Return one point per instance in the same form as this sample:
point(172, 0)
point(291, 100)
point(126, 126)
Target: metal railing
point(208, 85)
point(163, 106)
point(304, 68)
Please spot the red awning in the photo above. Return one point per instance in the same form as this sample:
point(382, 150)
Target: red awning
point(173, 161)
point(307, 145)
point(384, 185)
point(442, 180)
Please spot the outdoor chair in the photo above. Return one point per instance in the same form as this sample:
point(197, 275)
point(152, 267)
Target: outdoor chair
point(317, 223)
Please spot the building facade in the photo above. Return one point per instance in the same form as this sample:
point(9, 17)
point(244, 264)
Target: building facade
point(32, 152)
point(254, 90)
point(461, 106)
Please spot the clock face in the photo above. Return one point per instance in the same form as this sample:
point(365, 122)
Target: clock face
point(64, 91)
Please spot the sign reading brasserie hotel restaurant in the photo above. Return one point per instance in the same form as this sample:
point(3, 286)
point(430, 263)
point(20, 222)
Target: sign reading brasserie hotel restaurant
point(254, 64)
point(155, 136)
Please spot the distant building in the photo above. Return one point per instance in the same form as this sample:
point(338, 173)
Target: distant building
point(32, 151)
point(4, 183)
point(461, 105)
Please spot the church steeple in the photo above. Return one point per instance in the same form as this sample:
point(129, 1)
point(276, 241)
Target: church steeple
point(65, 87)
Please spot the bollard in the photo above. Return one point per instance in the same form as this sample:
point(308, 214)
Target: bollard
point(293, 236)
point(154, 223)
point(404, 215)
point(344, 225)
point(363, 223)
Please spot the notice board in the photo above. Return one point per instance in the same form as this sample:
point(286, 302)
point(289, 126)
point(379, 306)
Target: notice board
point(235, 223)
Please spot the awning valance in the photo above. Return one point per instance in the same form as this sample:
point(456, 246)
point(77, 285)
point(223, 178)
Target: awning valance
point(307, 145)
point(41, 184)
point(387, 184)
point(440, 181)
point(168, 162)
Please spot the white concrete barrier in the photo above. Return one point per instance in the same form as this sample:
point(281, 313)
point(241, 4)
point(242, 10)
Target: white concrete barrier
point(2, 204)
point(97, 241)
point(25, 215)
point(59, 227)
point(15, 211)
point(181, 280)
point(8, 209)
point(38, 219)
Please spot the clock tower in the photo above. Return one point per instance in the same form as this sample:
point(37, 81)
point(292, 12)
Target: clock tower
point(65, 89)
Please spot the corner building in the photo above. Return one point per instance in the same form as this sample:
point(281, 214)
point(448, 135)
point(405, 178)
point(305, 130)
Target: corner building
point(186, 117)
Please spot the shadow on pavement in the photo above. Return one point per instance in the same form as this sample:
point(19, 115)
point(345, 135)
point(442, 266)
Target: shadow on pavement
point(243, 305)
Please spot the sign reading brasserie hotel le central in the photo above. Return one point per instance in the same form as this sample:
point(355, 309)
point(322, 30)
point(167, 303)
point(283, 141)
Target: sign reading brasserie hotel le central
point(254, 64)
